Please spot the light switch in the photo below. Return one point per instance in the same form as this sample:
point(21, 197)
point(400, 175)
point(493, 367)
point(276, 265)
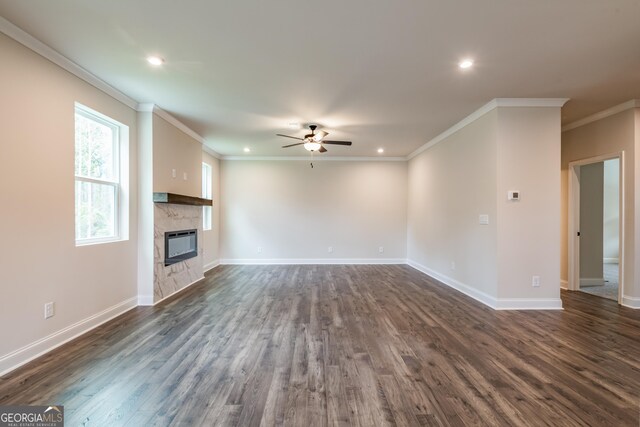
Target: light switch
point(184, 176)
point(173, 173)
point(484, 219)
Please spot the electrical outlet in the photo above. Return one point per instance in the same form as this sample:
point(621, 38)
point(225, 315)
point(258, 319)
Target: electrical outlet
point(330, 249)
point(453, 265)
point(48, 310)
point(381, 249)
point(259, 249)
point(535, 281)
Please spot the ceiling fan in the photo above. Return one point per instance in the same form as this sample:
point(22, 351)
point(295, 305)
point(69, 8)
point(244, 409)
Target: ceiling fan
point(314, 141)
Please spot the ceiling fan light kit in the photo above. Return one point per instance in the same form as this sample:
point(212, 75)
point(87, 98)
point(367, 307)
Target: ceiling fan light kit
point(314, 142)
point(312, 146)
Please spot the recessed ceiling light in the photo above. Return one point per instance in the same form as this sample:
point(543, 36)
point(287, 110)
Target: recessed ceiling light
point(155, 60)
point(247, 149)
point(466, 63)
point(380, 150)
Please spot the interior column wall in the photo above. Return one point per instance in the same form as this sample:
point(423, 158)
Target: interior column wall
point(145, 212)
point(529, 229)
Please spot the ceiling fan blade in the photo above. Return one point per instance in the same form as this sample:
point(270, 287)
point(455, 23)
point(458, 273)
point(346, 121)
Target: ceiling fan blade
point(337, 142)
point(292, 145)
point(322, 149)
point(287, 136)
point(318, 136)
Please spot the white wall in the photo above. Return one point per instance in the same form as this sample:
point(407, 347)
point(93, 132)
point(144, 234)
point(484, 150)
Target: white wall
point(295, 213)
point(41, 262)
point(611, 212)
point(211, 256)
point(175, 150)
point(450, 185)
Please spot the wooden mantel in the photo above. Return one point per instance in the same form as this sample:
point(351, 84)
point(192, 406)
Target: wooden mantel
point(181, 199)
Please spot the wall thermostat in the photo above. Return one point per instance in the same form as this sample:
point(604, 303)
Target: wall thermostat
point(513, 195)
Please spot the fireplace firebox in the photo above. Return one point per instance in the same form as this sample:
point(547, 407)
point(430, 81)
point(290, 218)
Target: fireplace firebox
point(180, 245)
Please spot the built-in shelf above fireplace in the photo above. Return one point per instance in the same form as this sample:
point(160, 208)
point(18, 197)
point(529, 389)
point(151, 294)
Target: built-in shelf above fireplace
point(181, 199)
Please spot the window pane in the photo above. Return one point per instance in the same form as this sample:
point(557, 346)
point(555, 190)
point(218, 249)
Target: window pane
point(206, 194)
point(95, 156)
point(95, 210)
point(206, 181)
point(206, 217)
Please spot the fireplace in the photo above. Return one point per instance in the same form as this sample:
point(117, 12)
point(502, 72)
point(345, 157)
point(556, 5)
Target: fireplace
point(180, 245)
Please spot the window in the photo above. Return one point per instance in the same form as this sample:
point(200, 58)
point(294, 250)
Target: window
point(206, 194)
point(98, 190)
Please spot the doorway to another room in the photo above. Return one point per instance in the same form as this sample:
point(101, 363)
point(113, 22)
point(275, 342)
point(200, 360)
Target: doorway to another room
point(596, 237)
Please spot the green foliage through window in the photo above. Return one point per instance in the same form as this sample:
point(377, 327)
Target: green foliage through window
point(97, 177)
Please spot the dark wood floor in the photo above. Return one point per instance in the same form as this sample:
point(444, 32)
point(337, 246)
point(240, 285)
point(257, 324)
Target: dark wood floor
point(343, 345)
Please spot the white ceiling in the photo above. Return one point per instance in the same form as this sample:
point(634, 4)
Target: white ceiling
point(378, 72)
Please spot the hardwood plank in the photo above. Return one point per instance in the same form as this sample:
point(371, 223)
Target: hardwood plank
point(342, 345)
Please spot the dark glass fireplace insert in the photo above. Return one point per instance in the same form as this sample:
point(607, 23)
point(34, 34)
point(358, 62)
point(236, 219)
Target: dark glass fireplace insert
point(180, 245)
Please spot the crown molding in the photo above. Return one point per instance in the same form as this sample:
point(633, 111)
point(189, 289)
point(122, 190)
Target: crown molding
point(489, 106)
point(63, 62)
point(52, 55)
point(530, 102)
point(316, 159)
point(634, 103)
point(210, 151)
point(146, 107)
point(153, 108)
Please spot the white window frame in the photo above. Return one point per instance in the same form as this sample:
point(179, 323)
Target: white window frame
point(120, 175)
point(207, 211)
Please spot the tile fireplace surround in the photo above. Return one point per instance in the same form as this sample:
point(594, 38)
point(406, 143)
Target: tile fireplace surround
point(170, 279)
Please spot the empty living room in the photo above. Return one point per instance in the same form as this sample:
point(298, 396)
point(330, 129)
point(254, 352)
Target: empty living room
point(338, 213)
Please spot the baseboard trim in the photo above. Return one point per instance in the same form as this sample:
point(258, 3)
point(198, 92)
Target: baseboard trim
point(610, 261)
point(306, 261)
point(631, 302)
point(564, 284)
point(178, 291)
point(488, 300)
point(592, 281)
point(213, 264)
point(480, 296)
point(17, 358)
point(529, 304)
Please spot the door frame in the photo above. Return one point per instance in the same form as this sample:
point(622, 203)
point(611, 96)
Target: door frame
point(574, 220)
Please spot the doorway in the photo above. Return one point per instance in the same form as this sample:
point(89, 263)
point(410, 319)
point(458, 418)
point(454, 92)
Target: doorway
point(596, 227)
